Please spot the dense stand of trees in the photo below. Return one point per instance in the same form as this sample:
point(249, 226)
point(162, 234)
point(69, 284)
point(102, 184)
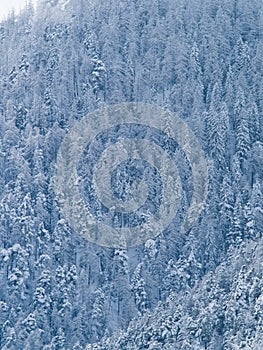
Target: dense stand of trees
point(199, 58)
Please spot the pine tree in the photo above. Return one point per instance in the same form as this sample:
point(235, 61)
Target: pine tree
point(138, 288)
point(235, 235)
point(98, 315)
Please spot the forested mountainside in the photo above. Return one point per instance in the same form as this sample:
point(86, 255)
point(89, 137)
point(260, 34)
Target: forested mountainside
point(201, 290)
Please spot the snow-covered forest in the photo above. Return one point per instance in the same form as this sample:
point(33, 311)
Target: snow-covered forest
point(202, 59)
